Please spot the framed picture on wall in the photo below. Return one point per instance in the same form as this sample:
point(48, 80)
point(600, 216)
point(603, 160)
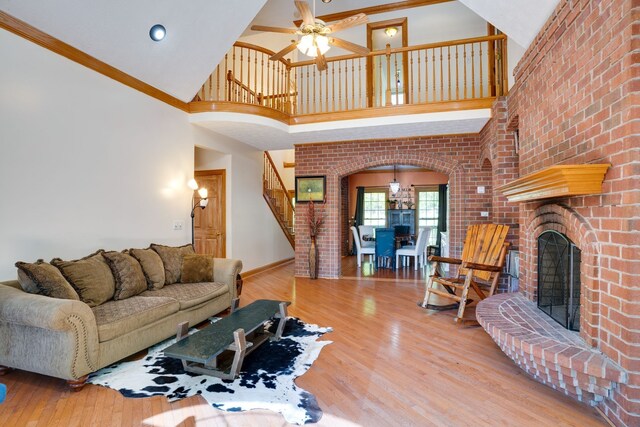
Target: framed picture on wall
point(310, 189)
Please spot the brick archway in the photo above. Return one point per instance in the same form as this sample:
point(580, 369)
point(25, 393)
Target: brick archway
point(567, 221)
point(453, 169)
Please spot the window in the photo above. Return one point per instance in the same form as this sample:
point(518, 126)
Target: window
point(375, 208)
point(428, 211)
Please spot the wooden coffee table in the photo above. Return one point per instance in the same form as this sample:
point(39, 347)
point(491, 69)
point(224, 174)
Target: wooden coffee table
point(220, 348)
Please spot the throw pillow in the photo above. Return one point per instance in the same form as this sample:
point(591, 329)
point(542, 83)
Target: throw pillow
point(172, 259)
point(90, 276)
point(128, 274)
point(152, 267)
point(43, 278)
point(197, 268)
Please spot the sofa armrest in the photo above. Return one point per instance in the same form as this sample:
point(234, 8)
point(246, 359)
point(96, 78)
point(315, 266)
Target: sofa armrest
point(225, 271)
point(50, 336)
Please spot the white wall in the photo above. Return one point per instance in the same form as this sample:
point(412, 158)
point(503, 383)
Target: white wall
point(88, 163)
point(255, 236)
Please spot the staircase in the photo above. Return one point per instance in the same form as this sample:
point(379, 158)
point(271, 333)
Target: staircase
point(278, 199)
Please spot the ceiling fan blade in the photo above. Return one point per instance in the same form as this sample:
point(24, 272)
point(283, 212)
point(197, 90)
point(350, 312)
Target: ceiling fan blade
point(351, 21)
point(284, 51)
point(355, 48)
point(274, 29)
point(305, 12)
point(321, 62)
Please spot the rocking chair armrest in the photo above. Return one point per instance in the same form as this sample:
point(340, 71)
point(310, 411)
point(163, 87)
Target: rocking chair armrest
point(433, 258)
point(484, 267)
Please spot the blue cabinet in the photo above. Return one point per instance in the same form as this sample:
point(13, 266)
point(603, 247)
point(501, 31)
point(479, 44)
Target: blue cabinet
point(402, 217)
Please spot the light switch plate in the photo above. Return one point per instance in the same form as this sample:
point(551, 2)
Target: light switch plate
point(178, 225)
point(480, 189)
point(484, 214)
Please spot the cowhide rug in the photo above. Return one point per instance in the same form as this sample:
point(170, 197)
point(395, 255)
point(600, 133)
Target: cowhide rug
point(266, 380)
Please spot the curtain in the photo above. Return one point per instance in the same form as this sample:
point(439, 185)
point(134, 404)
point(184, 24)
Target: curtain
point(359, 215)
point(442, 212)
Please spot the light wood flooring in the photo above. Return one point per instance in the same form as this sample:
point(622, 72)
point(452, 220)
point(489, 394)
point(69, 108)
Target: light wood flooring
point(391, 364)
point(350, 270)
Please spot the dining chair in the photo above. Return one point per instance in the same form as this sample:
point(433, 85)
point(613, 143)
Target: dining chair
point(366, 230)
point(417, 251)
point(360, 251)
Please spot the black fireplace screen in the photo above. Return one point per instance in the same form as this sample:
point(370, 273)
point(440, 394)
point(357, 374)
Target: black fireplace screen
point(559, 279)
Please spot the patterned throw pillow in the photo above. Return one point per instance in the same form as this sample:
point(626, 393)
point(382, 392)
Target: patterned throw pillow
point(90, 276)
point(197, 268)
point(128, 274)
point(43, 278)
point(152, 267)
point(172, 260)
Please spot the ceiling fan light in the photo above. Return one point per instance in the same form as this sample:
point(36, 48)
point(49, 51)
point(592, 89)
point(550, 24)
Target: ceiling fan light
point(305, 44)
point(323, 43)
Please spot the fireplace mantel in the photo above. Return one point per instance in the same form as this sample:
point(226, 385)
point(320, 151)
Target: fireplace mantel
point(557, 181)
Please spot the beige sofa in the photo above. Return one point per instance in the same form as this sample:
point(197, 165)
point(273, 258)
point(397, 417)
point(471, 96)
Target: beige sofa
point(68, 339)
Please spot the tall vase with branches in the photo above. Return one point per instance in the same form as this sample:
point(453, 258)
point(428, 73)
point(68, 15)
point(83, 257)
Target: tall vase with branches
point(315, 222)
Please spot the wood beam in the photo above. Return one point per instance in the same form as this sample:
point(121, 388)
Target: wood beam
point(373, 10)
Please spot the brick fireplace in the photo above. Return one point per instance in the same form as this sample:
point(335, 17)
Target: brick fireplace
point(575, 102)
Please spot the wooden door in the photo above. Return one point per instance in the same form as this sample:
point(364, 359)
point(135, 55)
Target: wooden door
point(210, 223)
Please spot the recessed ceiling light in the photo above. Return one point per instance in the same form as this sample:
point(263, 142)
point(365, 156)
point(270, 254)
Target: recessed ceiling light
point(157, 32)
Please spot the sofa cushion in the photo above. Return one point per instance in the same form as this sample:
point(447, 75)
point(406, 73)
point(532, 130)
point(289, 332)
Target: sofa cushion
point(43, 278)
point(152, 266)
point(172, 259)
point(190, 294)
point(90, 276)
point(128, 274)
point(197, 268)
point(116, 318)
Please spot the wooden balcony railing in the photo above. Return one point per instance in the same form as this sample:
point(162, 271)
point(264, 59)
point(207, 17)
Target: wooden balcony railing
point(458, 70)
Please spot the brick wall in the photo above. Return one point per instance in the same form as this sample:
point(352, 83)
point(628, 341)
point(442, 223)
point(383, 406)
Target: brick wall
point(576, 101)
point(456, 156)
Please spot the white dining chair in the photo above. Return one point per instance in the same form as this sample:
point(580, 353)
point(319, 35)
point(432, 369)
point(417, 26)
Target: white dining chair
point(366, 230)
point(360, 251)
point(417, 251)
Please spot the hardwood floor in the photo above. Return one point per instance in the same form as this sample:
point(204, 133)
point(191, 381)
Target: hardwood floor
point(350, 270)
point(390, 364)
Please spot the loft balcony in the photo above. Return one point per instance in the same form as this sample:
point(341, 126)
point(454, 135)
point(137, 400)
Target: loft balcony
point(429, 89)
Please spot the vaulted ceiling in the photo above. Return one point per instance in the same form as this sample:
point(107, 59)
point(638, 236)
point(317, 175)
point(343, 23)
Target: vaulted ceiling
point(199, 32)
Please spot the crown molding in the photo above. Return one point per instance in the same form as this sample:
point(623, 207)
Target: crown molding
point(34, 35)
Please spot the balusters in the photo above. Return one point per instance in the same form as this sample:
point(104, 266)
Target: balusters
point(326, 87)
point(433, 78)
point(465, 70)
point(441, 77)
point(449, 72)
point(315, 108)
point(396, 77)
point(307, 100)
point(457, 77)
point(480, 58)
point(353, 85)
point(333, 91)
point(473, 73)
point(340, 85)
point(360, 104)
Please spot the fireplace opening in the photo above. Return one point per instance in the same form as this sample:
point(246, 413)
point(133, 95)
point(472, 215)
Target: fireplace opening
point(559, 279)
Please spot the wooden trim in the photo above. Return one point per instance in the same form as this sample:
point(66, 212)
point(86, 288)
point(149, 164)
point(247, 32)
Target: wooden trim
point(557, 181)
point(398, 22)
point(288, 164)
point(223, 174)
point(374, 10)
point(365, 113)
point(26, 31)
point(491, 58)
point(264, 268)
point(234, 107)
point(396, 110)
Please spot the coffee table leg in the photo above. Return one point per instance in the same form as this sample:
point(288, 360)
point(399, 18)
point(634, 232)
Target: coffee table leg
point(240, 349)
point(183, 330)
point(283, 320)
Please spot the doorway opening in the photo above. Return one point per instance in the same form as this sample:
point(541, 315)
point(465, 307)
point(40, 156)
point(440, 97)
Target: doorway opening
point(209, 224)
point(369, 207)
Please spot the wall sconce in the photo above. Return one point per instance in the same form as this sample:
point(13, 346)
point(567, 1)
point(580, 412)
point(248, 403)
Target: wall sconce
point(204, 201)
point(391, 31)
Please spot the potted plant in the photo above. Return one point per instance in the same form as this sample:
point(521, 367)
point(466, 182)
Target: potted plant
point(315, 222)
point(392, 203)
point(409, 204)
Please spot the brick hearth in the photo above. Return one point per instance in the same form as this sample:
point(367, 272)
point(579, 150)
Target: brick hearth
point(551, 354)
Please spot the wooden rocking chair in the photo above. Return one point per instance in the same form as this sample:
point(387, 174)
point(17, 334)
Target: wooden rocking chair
point(482, 260)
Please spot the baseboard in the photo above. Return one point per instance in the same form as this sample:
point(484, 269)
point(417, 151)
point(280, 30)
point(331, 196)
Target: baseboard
point(258, 270)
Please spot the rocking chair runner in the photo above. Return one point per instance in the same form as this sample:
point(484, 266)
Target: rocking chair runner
point(482, 260)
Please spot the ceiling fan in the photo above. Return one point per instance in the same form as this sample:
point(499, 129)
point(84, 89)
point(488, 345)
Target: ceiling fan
point(316, 35)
